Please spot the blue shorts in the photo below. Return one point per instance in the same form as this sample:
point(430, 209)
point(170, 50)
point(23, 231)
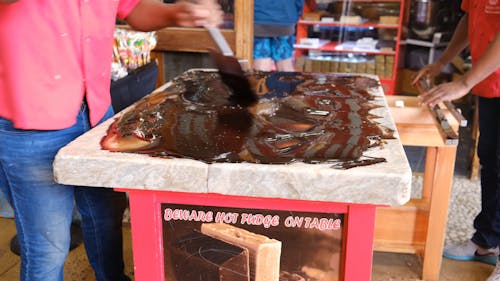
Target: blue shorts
point(277, 48)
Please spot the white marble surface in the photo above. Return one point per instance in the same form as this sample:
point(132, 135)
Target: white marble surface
point(83, 162)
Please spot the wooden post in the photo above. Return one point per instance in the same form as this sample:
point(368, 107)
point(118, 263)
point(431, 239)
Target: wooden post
point(198, 40)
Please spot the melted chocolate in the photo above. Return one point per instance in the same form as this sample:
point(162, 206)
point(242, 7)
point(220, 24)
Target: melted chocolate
point(314, 118)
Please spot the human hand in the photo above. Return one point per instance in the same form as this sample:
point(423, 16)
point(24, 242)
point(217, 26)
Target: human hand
point(194, 13)
point(427, 73)
point(444, 92)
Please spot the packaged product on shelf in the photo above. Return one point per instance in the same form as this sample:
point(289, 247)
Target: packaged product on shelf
point(389, 19)
point(132, 49)
point(350, 19)
point(367, 43)
point(118, 71)
point(133, 73)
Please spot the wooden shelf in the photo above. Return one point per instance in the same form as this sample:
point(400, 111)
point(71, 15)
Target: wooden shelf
point(387, 67)
point(368, 24)
point(334, 47)
point(369, 1)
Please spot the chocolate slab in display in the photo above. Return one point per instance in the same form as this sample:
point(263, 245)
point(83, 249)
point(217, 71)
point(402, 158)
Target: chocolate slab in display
point(84, 162)
point(200, 257)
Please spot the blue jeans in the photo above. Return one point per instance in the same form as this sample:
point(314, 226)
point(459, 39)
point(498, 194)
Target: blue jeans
point(43, 209)
point(487, 222)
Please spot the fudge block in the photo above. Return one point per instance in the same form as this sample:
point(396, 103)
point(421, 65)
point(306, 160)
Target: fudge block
point(265, 253)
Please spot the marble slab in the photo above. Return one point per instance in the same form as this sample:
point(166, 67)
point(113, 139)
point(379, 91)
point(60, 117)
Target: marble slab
point(84, 163)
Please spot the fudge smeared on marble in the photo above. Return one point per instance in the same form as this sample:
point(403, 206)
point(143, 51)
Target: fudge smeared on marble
point(308, 117)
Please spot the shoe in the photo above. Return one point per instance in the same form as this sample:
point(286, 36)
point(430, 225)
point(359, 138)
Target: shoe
point(468, 252)
point(495, 275)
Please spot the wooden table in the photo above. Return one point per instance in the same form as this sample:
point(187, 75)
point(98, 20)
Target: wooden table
point(419, 226)
point(153, 183)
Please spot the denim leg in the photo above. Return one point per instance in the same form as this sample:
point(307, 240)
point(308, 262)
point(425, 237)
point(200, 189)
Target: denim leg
point(42, 208)
point(487, 222)
point(102, 212)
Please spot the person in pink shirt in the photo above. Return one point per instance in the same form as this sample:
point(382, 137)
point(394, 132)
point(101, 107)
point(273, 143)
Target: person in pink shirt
point(55, 74)
point(479, 29)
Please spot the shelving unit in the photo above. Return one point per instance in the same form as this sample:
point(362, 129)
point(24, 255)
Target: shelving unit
point(340, 51)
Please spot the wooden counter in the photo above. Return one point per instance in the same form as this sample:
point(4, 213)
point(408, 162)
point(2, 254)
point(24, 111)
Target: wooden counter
point(419, 226)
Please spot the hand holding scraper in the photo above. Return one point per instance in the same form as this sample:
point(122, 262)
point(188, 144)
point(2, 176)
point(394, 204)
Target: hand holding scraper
point(450, 137)
point(231, 71)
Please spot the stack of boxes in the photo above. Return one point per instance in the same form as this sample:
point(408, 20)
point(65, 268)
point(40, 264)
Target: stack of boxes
point(380, 65)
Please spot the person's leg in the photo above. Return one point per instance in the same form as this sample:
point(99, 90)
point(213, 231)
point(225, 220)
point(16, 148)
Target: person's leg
point(487, 222)
point(42, 208)
point(483, 245)
point(282, 52)
point(262, 54)
point(76, 239)
point(101, 211)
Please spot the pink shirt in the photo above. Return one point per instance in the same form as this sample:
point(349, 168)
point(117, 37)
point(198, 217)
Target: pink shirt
point(52, 53)
point(484, 23)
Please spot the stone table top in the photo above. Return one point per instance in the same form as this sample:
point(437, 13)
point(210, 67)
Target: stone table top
point(84, 163)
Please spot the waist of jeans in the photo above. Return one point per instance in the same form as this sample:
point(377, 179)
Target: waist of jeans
point(84, 106)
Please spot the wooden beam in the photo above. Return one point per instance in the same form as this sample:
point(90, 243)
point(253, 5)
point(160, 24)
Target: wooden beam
point(196, 40)
point(243, 27)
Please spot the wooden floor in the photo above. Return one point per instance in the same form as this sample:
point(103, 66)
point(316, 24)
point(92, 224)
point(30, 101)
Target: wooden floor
point(386, 267)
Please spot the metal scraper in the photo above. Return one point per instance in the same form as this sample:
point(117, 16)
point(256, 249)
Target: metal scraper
point(230, 70)
point(450, 137)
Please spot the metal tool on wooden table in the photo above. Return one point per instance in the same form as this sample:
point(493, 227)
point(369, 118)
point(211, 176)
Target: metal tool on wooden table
point(450, 137)
point(454, 111)
point(231, 71)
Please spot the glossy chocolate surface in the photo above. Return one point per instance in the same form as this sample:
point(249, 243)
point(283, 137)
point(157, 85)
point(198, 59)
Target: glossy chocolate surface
point(314, 118)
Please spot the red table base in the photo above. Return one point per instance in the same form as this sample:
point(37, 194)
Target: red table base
point(147, 239)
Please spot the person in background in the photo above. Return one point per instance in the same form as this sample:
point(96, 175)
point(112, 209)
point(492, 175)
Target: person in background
point(479, 29)
point(274, 33)
point(55, 68)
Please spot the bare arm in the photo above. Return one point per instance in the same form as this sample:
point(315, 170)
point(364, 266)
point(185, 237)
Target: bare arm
point(487, 64)
point(458, 43)
point(151, 15)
